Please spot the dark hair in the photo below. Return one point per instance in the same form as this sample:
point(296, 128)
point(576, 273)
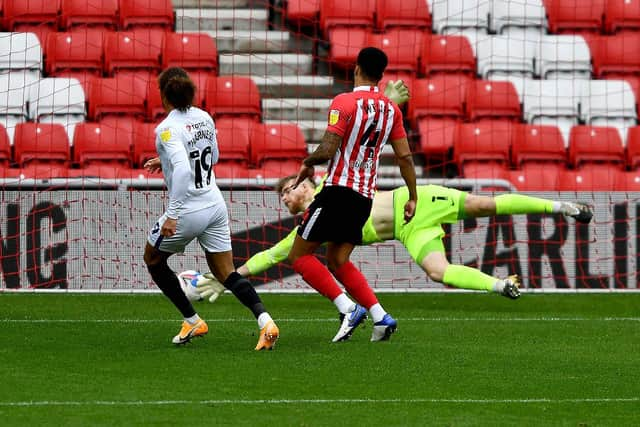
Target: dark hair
point(177, 87)
point(372, 62)
point(282, 182)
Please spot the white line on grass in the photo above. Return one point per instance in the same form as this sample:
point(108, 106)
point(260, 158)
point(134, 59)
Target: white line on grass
point(306, 401)
point(304, 320)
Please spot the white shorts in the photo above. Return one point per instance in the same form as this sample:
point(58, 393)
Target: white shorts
point(210, 226)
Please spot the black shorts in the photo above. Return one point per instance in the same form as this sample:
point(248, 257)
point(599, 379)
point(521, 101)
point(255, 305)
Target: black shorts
point(337, 214)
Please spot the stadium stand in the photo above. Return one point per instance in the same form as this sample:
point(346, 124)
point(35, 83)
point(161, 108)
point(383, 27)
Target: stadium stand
point(616, 55)
point(492, 100)
point(191, 51)
point(156, 14)
point(407, 14)
point(621, 16)
point(89, 16)
point(522, 20)
point(608, 103)
point(118, 96)
point(566, 57)
point(439, 96)
point(57, 100)
point(482, 150)
point(35, 16)
point(21, 52)
point(469, 17)
point(102, 149)
point(137, 53)
point(144, 144)
point(277, 150)
point(74, 52)
point(447, 54)
point(504, 56)
point(596, 148)
point(5, 149)
point(14, 92)
point(232, 95)
point(41, 143)
point(575, 16)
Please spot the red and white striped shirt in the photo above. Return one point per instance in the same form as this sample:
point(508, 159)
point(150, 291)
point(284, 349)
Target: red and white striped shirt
point(366, 120)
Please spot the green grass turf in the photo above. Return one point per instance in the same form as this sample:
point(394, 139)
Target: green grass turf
point(457, 360)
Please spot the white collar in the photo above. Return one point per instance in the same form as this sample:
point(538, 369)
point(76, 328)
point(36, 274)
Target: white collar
point(366, 88)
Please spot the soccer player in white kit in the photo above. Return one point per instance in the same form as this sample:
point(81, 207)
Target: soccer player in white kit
point(187, 150)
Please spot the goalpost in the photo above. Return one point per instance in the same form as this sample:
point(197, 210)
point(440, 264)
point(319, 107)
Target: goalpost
point(82, 227)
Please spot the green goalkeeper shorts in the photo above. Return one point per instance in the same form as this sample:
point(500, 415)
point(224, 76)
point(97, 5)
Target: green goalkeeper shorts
point(436, 205)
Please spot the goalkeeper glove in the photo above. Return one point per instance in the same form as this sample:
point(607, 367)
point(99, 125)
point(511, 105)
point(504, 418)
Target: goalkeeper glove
point(397, 91)
point(209, 287)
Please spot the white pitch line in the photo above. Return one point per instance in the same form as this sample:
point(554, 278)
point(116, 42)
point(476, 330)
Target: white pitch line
point(306, 320)
point(307, 401)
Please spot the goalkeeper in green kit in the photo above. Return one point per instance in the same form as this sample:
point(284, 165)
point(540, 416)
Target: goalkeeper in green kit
point(422, 236)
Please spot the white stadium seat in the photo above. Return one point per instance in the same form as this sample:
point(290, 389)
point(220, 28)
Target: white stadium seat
point(523, 19)
point(21, 51)
point(608, 103)
point(461, 16)
point(565, 57)
point(13, 102)
point(501, 55)
point(58, 100)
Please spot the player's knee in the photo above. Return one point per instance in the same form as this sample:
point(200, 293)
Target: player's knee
point(434, 266)
point(480, 205)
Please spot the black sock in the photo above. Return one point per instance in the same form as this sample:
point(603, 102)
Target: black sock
point(243, 290)
point(169, 284)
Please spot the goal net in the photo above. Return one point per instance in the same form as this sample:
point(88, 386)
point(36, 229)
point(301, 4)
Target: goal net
point(539, 97)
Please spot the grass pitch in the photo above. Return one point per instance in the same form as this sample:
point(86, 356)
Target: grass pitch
point(456, 360)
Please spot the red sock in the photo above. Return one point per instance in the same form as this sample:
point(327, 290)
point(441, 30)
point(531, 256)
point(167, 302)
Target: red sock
point(356, 284)
point(317, 276)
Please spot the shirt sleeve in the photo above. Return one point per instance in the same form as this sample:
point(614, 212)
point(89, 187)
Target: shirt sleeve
point(181, 174)
point(397, 131)
point(266, 259)
point(340, 114)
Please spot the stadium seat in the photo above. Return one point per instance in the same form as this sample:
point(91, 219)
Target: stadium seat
point(120, 96)
point(483, 148)
point(191, 51)
point(447, 54)
point(42, 171)
point(436, 136)
point(96, 144)
point(302, 13)
point(37, 16)
point(628, 181)
point(615, 55)
point(408, 13)
point(5, 148)
point(41, 143)
point(575, 16)
point(349, 13)
point(533, 176)
point(402, 47)
point(144, 143)
point(634, 82)
point(487, 99)
point(504, 56)
point(147, 13)
point(155, 109)
point(233, 144)
point(591, 146)
point(440, 96)
point(273, 143)
point(345, 43)
point(138, 51)
point(101, 15)
point(633, 148)
point(21, 52)
point(232, 95)
point(566, 57)
point(608, 103)
point(14, 95)
point(622, 15)
point(590, 179)
point(81, 51)
point(552, 102)
point(523, 20)
point(460, 16)
point(57, 100)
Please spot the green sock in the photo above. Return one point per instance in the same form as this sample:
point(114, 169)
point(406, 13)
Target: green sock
point(513, 204)
point(464, 277)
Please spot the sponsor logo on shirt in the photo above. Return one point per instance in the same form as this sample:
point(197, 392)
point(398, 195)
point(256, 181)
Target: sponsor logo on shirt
point(334, 115)
point(165, 135)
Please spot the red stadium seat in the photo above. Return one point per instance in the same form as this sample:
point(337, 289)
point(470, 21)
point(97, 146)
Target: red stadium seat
point(408, 13)
point(402, 47)
point(346, 13)
point(97, 144)
point(534, 176)
point(345, 43)
point(155, 109)
point(43, 171)
point(483, 145)
point(487, 99)
point(633, 148)
point(575, 16)
point(615, 56)
point(41, 143)
point(592, 145)
point(83, 14)
point(147, 13)
point(120, 95)
point(277, 142)
point(622, 15)
point(634, 82)
point(191, 51)
point(441, 96)
point(35, 16)
point(138, 51)
point(81, 51)
point(232, 95)
point(233, 144)
point(447, 54)
point(437, 135)
point(303, 12)
point(537, 143)
point(144, 143)
point(5, 148)
point(628, 181)
point(590, 179)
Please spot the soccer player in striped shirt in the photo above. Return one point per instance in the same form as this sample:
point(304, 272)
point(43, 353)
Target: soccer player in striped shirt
point(360, 123)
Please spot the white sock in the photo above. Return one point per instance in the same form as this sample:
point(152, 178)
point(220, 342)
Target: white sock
point(557, 207)
point(498, 287)
point(377, 312)
point(193, 319)
point(263, 319)
point(344, 303)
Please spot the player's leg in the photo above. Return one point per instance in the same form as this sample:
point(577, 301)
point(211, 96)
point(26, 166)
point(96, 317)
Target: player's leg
point(514, 204)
